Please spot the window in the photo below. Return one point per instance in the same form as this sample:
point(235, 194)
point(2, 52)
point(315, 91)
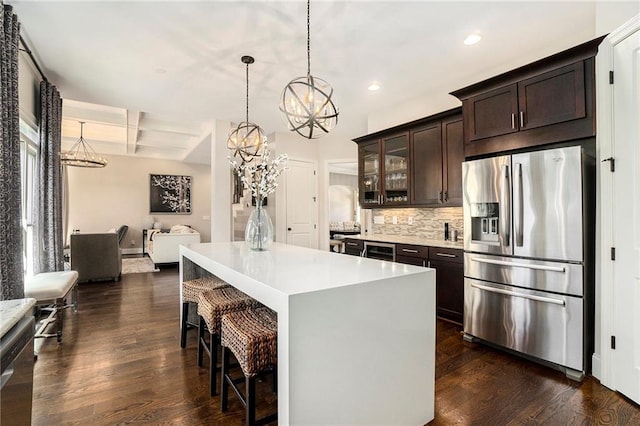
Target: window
point(29, 179)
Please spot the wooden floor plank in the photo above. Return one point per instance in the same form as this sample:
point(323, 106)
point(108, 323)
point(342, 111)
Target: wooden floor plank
point(121, 362)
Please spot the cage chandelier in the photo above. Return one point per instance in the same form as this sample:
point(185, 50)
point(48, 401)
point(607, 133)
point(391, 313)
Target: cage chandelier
point(306, 101)
point(247, 139)
point(81, 154)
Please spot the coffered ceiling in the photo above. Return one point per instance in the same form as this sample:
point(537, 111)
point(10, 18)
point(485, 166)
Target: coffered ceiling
point(150, 77)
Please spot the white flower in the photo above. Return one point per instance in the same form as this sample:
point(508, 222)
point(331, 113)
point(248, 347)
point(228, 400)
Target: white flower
point(261, 177)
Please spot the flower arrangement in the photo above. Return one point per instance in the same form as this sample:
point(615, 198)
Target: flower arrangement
point(261, 177)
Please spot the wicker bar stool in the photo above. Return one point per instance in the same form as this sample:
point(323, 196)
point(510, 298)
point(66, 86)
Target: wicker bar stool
point(252, 336)
point(212, 305)
point(191, 289)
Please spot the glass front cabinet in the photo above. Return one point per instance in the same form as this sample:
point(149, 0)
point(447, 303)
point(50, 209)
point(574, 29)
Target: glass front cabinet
point(384, 166)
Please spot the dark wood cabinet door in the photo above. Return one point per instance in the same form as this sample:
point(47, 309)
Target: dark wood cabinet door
point(491, 113)
point(426, 166)
point(553, 97)
point(396, 180)
point(369, 171)
point(449, 290)
point(453, 156)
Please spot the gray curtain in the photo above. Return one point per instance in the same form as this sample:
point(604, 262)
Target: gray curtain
point(49, 230)
point(11, 264)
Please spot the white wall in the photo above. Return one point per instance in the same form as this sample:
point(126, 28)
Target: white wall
point(101, 199)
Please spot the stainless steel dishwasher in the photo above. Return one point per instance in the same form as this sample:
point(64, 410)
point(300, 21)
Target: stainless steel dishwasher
point(16, 383)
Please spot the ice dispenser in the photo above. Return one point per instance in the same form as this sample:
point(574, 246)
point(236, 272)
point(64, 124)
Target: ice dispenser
point(485, 222)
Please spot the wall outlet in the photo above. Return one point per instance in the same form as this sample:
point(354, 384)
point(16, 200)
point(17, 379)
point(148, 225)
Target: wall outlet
point(394, 220)
point(133, 242)
point(410, 220)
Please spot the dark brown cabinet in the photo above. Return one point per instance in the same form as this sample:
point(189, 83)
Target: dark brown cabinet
point(415, 164)
point(353, 247)
point(449, 283)
point(548, 101)
point(383, 171)
point(412, 254)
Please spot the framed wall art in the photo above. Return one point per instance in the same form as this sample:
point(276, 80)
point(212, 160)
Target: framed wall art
point(170, 194)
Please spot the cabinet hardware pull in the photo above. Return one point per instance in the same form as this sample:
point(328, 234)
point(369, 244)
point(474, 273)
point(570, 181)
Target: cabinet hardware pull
point(352, 244)
point(516, 294)
point(409, 250)
point(446, 255)
point(513, 121)
point(446, 196)
point(440, 197)
point(521, 119)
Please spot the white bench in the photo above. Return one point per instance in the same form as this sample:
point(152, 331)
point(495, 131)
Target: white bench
point(51, 291)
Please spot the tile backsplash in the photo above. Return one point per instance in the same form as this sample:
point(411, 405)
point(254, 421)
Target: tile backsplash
point(427, 223)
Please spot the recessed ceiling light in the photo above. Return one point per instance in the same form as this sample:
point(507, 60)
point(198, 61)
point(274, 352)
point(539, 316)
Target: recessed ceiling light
point(472, 39)
point(374, 86)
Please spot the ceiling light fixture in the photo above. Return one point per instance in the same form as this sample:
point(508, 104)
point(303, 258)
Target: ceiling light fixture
point(306, 101)
point(374, 86)
point(247, 139)
point(472, 39)
point(81, 154)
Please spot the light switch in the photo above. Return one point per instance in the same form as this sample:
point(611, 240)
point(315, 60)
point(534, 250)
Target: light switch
point(410, 220)
point(394, 220)
point(378, 220)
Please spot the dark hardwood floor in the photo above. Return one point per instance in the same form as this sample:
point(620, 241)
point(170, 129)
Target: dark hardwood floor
point(120, 362)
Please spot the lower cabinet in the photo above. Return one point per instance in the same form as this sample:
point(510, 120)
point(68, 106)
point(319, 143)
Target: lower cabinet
point(449, 267)
point(353, 247)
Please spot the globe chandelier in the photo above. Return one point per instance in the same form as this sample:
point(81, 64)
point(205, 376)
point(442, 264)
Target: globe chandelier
point(306, 101)
point(81, 154)
point(246, 140)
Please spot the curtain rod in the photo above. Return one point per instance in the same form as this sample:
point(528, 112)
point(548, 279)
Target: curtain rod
point(33, 59)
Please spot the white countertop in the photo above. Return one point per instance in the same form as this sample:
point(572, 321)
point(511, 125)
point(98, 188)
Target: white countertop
point(402, 239)
point(291, 270)
point(11, 311)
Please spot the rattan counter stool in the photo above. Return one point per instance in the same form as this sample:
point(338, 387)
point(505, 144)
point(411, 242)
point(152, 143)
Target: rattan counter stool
point(212, 305)
point(252, 337)
point(191, 289)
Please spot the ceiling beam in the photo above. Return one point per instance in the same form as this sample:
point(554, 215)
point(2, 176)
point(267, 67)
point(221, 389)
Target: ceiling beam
point(133, 123)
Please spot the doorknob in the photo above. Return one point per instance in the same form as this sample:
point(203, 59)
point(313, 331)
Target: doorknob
point(288, 229)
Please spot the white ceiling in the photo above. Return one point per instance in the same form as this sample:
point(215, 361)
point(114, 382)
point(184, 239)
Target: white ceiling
point(160, 72)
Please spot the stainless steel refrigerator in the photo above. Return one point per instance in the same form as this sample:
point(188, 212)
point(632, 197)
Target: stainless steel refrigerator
point(528, 263)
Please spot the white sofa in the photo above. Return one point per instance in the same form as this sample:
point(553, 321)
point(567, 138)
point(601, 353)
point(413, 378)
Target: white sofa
point(164, 247)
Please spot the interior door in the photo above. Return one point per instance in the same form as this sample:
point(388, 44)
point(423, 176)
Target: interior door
point(302, 205)
point(626, 217)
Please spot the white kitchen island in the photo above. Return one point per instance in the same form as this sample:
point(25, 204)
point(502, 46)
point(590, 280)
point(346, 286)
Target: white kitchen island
point(356, 336)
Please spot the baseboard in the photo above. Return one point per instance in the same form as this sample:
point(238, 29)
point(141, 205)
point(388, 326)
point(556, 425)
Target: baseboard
point(132, 250)
point(595, 366)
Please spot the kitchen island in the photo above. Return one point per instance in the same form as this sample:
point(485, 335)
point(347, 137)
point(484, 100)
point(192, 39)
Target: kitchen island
point(356, 336)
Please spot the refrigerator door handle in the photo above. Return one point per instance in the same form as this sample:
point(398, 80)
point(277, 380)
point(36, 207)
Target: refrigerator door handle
point(560, 269)
point(518, 207)
point(505, 207)
point(516, 294)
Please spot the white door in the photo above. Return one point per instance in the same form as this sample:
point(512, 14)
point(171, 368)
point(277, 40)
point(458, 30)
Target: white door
point(626, 216)
point(302, 204)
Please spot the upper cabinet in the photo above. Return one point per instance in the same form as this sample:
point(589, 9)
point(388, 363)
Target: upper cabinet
point(415, 164)
point(383, 164)
point(548, 101)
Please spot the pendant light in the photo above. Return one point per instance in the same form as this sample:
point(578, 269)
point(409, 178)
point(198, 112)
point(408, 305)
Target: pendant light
point(306, 101)
point(247, 139)
point(81, 154)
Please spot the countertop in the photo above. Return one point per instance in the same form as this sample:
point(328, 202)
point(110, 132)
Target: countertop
point(11, 311)
point(401, 239)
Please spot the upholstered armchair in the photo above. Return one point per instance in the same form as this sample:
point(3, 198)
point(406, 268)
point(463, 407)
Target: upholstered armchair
point(96, 257)
point(164, 247)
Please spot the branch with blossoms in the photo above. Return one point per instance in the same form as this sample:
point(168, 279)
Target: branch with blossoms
point(260, 177)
